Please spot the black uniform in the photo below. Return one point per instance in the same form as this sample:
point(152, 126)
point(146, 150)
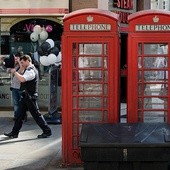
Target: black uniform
point(29, 94)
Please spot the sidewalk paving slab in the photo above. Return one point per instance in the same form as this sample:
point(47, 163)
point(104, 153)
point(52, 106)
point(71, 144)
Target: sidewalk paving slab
point(27, 152)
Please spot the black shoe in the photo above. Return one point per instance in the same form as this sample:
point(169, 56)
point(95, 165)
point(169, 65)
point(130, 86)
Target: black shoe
point(11, 135)
point(44, 135)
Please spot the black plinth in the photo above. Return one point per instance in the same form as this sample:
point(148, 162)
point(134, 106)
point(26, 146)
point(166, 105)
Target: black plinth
point(125, 146)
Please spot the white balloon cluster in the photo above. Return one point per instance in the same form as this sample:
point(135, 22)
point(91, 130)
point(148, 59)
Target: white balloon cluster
point(39, 33)
point(49, 54)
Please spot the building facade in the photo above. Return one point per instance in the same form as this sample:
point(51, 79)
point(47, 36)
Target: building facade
point(17, 21)
point(160, 4)
point(18, 18)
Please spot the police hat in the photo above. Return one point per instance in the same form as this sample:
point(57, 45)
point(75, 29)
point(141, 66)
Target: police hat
point(9, 62)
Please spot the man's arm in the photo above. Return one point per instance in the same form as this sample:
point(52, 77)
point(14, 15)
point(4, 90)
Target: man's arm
point(18, 75)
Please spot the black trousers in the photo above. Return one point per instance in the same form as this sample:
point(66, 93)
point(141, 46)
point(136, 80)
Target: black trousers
point(30, 103)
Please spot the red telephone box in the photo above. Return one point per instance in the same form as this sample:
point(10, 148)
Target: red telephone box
point(148, 67)
point(90, 75)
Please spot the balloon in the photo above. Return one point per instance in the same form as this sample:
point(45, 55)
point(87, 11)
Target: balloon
point(52, 58)
point(49, 28)
point(55, 51)
point(37, 29)
point(51, 42)
point(43, 35)
point(57, 64)
point(44, 60)
point(40, 51)
point(45, 47)
point(59, 58)
point(34, 37)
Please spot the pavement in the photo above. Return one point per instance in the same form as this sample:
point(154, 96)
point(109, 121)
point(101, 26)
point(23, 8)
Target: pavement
point(27, 152)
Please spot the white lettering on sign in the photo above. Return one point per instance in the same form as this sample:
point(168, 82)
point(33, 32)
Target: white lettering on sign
point(90, 27)
point(4, 96)
point(152, 28)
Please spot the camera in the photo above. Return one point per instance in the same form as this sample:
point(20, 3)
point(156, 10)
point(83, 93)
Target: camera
point(9, 62)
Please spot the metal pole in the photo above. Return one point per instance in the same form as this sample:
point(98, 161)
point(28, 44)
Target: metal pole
point(0, 36)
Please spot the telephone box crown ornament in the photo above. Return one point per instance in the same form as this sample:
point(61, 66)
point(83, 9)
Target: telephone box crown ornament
point(89, 18)
point(155, 19)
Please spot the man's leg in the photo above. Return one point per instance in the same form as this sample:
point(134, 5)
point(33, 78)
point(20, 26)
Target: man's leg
point(18, 122)
point(38, 117)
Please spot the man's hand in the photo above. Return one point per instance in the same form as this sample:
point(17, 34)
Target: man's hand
point(13, 70)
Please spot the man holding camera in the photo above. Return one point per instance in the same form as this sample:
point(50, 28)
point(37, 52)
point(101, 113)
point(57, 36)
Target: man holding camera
point(29, 94)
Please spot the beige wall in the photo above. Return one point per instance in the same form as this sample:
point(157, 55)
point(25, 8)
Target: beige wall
point(103, 4)
point(81, 4)
point(33, 4)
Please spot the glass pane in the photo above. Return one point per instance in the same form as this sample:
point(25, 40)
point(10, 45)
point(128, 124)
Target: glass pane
point(165, 48)
point(139, 62)
point(74, 102)
point(149, 75)
point(92, 89)
point(150, 48)
point(82, 75)
point(74, 145)
point(160, 104)
point(161, 62)
point(74, 62)
point(155, 49)
point(90, 48)
point(139, 48)
point(140, 117)
point(90, 102)
point(105, 62)
point(156, 76)
point(74, 129)
point(155, 90)
point(105, 89)
point(74, 75)
point(90, 62)
point(149, 62)
point(150, 90)
point(89, 74)
point(74, 49)
point(105, 76)
point(140, 89)
point(140, 103)
point(105, 104)
point(155, 116)
point(139, 76)
point(161, 76)
point(105, 49)
point(83, 62)
point(74, 116)
point(163, 92)
point(90, 116)
point(154, 103)
point(105, 116)
point(147, 103)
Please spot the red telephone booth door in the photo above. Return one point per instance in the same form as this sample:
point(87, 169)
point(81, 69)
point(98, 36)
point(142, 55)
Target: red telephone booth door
point(148, 67)
point(90, 71)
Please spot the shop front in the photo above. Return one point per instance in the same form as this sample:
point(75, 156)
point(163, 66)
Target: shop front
point(17, 22)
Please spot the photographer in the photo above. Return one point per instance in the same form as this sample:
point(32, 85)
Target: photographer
point(29, 94)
